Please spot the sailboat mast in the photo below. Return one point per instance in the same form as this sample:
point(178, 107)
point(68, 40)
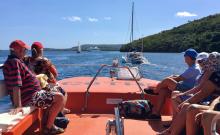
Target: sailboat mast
point(132, 24)
point(142, 44)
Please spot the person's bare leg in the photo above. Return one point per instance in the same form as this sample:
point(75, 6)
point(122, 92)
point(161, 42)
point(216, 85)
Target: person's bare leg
point(167, 83)
point(163, 94)
point(175, 102)
point(179, 122)
point(65, 110)
point(191, 124)
point(55, 109)
point(206, 121)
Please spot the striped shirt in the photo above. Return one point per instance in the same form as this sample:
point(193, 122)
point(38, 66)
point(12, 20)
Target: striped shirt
point(17, 74)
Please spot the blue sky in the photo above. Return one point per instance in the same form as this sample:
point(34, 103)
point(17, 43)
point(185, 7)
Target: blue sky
point(64, 23)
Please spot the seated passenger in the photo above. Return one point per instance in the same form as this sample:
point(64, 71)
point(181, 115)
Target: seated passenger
point(41, 65)
point(25, 90)
point(206, 122)
point(210, 83)
point(198, 115)
point(178, 97)
point(181, 83)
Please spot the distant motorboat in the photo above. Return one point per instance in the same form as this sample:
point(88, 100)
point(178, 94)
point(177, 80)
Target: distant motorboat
point(95, 48)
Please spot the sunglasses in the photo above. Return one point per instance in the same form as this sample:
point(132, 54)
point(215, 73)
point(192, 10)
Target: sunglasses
point(25, 50)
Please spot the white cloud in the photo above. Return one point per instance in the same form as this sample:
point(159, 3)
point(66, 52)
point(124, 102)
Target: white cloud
point(107, 18)
point(93, 19)
point(72, 18)
point(185, 14)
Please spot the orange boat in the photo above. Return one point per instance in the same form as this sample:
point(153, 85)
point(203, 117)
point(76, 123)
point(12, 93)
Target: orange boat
point(92, 101)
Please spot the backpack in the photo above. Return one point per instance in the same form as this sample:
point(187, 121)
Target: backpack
point(61, 122)
point(137, 109)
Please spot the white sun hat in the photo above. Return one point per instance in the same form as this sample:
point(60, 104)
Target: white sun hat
point(202, 55)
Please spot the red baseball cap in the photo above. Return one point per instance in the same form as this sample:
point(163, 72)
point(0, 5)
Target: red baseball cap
point(18, 43)
point(37, 45)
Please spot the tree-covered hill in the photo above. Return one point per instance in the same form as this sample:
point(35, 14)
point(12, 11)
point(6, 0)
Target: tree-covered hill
point(202, 35)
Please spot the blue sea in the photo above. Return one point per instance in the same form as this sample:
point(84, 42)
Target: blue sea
point(72, 64)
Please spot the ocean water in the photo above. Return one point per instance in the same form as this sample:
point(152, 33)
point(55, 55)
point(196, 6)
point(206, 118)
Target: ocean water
point(72, 64)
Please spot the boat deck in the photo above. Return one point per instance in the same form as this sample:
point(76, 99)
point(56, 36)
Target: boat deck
point(95, 124)
point(104, 95)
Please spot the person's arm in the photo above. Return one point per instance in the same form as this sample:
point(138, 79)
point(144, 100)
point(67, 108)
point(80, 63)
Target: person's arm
point(202, 93)
point(16, 97)
point(191, 91)
point(49, 65)
point(16, 101)
point(214, 102)
point(12, 74)
point(53, 70)
point(196, 89)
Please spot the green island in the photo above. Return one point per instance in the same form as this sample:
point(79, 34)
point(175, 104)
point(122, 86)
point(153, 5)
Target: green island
point(202, 35)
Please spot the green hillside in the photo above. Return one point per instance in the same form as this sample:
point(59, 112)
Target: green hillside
point(202, 35)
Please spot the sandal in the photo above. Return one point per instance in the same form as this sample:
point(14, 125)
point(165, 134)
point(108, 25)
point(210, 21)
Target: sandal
point(66, 111)
point(165, 132)
point(150, 91)
point(153, 117)
point(53, 130)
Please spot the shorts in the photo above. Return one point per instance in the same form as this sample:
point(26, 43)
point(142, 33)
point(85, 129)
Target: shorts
point(205, 101)
point(42, 99)
point(56, 88)
point(185, 97)
point(215, 78)
point(181, 87)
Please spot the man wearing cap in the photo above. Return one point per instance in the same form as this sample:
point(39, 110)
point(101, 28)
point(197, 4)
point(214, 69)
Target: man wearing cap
point(182, 83)
point(25, 90)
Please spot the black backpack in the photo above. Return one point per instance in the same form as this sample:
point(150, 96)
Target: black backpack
point(61, 121)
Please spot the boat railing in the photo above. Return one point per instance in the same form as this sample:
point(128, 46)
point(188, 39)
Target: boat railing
point(119, 122)
point(115, 126)
point(98, 72)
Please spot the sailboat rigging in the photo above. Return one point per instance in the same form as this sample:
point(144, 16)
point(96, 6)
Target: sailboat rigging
point(79, 48)
point(134, 57)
